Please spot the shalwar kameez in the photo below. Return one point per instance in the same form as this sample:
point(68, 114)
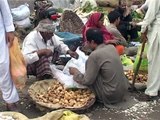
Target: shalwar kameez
point(7, 87)
point(151, 23)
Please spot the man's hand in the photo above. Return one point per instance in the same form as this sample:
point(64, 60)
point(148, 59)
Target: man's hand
point(73, 70)
point(9, 38)
point(73, 54)
point(134, 24)
point(45, 52)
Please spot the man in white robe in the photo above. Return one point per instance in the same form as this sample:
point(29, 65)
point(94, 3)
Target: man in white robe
point(143, 8)
point(39, 47)
point(151, 31)
point(7, 87)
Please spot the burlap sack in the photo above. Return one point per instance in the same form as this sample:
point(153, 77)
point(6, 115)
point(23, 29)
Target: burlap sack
point(15, 115)
point(58, 115)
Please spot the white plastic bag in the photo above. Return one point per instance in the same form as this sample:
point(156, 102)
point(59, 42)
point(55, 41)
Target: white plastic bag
point(66, 80)
point(20, 13)
point(23, 23)
point(64, 76)
point(77, 63)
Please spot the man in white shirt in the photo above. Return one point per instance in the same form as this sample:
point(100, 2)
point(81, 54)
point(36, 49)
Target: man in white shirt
point(38, 48)
point(9, 92)
point(151, 31)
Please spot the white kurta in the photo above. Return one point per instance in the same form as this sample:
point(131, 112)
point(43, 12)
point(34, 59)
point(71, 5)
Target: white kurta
point(34, 42)
point(152, 22)
point(7, 87)
point(144, 7)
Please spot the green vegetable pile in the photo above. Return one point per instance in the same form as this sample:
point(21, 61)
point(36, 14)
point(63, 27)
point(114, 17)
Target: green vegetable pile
point(136, 16)
point(87, 8)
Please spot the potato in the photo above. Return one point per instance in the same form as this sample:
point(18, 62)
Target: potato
point(141, 78)
point(57, 94)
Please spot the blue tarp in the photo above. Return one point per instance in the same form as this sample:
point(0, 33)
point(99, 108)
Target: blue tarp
point(70, 39)
point(68, 36)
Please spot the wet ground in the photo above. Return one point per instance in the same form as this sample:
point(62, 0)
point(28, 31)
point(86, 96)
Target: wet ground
point(138, 111)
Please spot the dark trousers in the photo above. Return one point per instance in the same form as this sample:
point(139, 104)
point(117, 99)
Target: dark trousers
point(130, 34)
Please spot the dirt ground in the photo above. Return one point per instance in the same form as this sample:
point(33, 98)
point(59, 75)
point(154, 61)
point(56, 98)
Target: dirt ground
point(138, 111)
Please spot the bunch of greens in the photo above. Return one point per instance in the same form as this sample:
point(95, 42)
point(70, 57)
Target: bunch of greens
point(137, 16)
point(60, 10)
point(87, 8)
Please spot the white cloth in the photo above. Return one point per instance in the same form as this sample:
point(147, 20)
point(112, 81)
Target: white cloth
point(77, 63)
point(152, 16)
point(34, 42)
point(152, 19)
point(7, 87)
point(144, 7)
point(65, 77)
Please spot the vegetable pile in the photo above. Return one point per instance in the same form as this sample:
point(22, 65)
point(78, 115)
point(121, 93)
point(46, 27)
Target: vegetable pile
point(141, 78)
point(67, 98)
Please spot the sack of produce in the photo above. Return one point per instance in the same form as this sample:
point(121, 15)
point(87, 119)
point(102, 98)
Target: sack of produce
point(12, 116)
point(62, 114)
point(52, 94)
point(21, 12)
point(144, 62)
point(25, 23)
point(69, 115)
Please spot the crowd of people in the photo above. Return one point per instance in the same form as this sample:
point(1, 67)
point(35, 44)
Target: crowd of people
point(104, 72)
